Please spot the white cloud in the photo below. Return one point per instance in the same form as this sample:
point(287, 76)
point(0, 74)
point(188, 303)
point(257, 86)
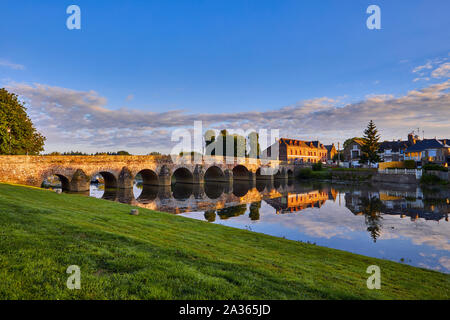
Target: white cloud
point(435, 68)
point(80, 119)
point(14, 66)
point(443, 71)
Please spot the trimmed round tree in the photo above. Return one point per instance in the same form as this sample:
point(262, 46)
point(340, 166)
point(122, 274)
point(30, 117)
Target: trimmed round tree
point(17, 133)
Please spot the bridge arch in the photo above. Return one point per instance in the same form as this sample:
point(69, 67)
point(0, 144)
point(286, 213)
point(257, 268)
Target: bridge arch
point(241, 188)
point(182, 175)
point(290, 174)
point(214, 173)
point(109, 179)
point(182, 192)
point(240, 172)
point(63, 179)
point(149, 177)
point(214, 190)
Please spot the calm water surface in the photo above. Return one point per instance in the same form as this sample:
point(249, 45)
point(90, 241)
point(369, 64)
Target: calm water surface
point(401, 223)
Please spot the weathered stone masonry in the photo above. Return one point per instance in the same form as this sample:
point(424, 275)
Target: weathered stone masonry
point(75, 172)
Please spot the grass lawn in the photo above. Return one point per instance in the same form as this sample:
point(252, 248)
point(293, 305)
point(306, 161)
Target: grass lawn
point(162, 256)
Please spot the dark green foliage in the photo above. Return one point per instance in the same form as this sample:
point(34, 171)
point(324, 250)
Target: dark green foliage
point(22, 137)
point(254, 210)
point(371, 208)
point(370, 147)
point(304, 173)
point(340, 155)
point(317, 166)
point(410, 164)
point(348, 141)
point(210, 215)
point(240, 147)
point(429, 179)
point(434, 167)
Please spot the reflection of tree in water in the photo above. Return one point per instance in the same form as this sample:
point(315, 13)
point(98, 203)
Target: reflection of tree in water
point(235, 211)
point(210, 215)
point(372, 212)
point(254, 210)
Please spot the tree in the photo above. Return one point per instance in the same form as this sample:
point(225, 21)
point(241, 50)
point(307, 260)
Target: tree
point(370, 146)
point(340, 155)
point(255, 148)
point(348, 141)
point(371, 207)
point(17, 133)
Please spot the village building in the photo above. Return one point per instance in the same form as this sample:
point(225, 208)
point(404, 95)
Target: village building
point(429, 151)
point(299, 151)
point(352, 151)
point(331, 151)
point(395, 150)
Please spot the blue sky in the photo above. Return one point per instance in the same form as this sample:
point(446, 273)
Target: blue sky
point(202, 58)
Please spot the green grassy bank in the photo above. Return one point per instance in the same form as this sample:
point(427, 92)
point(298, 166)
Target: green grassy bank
point(162, 256)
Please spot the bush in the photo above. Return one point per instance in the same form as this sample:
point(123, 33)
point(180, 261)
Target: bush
point(434, 167)
point(317, 166)
point(304, 173)
point(410, 164)
point(430, 179)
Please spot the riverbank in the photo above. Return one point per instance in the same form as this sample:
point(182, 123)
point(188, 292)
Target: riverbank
point(162, 256)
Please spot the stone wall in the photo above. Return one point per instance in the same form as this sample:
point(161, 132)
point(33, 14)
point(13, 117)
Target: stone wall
point(373, 176)
point(352, 175)
point(75, 172)
point(395, 178)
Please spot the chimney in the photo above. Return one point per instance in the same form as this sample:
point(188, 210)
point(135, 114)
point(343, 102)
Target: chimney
point(411, 138)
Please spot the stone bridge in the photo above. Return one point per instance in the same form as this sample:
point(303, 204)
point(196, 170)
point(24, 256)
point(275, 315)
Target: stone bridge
point(76, 172)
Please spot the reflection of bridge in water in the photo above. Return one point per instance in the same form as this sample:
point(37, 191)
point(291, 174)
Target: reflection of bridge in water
point(181, 197)
point(283, 196)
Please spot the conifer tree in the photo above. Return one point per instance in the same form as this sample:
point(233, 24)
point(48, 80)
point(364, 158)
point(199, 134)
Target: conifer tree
point(370, 147)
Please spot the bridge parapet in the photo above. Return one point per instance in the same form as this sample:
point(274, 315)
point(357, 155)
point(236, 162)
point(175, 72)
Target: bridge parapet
point(76, 172)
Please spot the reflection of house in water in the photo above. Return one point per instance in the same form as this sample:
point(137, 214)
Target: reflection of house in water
point(403, 204)
point(293, 202)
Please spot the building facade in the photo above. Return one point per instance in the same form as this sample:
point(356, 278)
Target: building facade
point(352, 151)
point(429, 151)
point(299, 151)
point(332, 151)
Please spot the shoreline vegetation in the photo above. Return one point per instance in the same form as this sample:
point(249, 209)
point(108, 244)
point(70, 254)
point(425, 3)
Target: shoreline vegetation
point(158, 255)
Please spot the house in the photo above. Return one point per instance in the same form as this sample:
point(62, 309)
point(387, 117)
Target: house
point(299, 151)
point(352, 151)
point(331, 151)
point(393, 150)
point(429, 150)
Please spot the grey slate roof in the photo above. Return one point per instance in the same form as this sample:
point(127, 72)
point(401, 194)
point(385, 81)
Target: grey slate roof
point(426, 144)
point(395, 146)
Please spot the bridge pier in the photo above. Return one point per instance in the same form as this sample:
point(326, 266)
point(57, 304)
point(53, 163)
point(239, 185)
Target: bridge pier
point(126, 179)
point(252, 179)
point(282, 174)
point(80, 182)
point(228, 177)
point(165, 176)
point(198, 175)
